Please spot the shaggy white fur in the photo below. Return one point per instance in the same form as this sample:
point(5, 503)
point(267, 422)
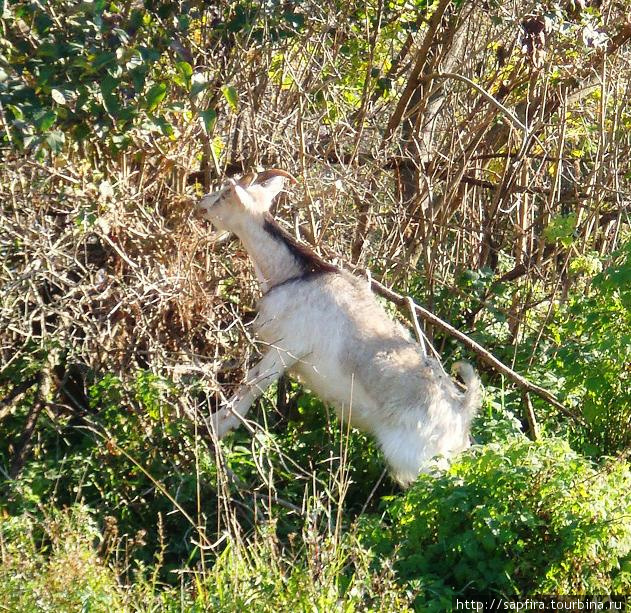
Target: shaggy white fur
point(325, 326)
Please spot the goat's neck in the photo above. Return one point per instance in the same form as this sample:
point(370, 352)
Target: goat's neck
point(272, 258)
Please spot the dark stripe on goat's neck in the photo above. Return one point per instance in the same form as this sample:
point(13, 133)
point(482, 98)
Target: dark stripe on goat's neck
point(308, 260)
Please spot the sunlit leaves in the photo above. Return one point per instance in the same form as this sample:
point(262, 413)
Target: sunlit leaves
point(155, 95)
point(183, 74)
point(231, 96)
point(55, 140)
point(561, 228)
point(592, 354)
point(44, 120)
point(507, 518)
point(57, 96)
point(83, 72)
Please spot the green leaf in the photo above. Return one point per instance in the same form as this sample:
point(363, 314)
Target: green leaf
point(561, 228)
point(44, 121)
point(155, 95)
point(209, 118)
point(108, 85)
point(160, 123)
point(48, 50)
point(102, 60)
point(17, 111)
point(44, 76)
point(217, 146)
point(55, 140)
point(183, 75)
point(149, 55)
point(231, 96)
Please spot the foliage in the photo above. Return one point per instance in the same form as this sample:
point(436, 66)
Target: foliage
point(498, 419)
point(511, 518)
point(111, 462)
point(60, 565)
point(519, 518)
point(591, 353)
point(123, 323)
point(122, 459)
point(83, 70)
point(581, 350)
point(57, 571)
point(561, 228)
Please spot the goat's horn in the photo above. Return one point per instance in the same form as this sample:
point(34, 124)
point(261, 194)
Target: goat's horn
point(246, 180)
point(274, 172)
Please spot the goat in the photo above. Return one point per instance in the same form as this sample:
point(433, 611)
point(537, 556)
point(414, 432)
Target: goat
point(325, 326)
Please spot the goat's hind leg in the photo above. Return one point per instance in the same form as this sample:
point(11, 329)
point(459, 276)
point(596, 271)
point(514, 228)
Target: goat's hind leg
point(273, 364)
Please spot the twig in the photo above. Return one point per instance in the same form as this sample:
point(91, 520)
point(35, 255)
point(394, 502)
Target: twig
point(5, 125)
point(118, 250)
point(374, 489)
point(415, 78)
point(533, 426)
point(417, 328)
point(41, 399)
point(494, 101)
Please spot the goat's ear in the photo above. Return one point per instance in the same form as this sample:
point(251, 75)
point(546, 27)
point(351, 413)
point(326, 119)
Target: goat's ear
point(243, 196)
point(269, 188)
point(269, 183)
point(257, 191)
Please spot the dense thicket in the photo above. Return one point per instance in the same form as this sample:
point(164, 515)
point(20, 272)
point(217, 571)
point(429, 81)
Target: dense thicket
point(473, 156)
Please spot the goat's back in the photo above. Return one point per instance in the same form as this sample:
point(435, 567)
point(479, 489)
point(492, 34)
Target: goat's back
point(353, 355)
point(335, 323)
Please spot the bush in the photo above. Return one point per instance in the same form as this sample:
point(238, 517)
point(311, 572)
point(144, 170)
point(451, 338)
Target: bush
point(59, 565)
point(84, 70)
point(520, 519)
point(52, 566)
point(591, 356)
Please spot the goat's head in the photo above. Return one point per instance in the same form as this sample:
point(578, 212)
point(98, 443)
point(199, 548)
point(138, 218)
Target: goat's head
point(240, 200)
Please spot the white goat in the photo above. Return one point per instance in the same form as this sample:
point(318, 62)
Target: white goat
point(325, 326)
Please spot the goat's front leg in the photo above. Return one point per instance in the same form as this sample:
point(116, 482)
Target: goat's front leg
point(273, 364)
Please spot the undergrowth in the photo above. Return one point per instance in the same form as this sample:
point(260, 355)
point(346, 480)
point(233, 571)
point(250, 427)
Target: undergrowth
point(509, 519)
point(124, 322)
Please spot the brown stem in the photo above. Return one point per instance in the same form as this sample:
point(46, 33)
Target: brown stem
point(26, 440)
point(533, 426)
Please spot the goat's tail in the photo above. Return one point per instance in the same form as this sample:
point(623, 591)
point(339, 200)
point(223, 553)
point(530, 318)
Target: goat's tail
point(473, 394)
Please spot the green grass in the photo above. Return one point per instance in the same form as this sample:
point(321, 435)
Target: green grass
point(53, 565)
point(507, 518)
point(63, 564)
